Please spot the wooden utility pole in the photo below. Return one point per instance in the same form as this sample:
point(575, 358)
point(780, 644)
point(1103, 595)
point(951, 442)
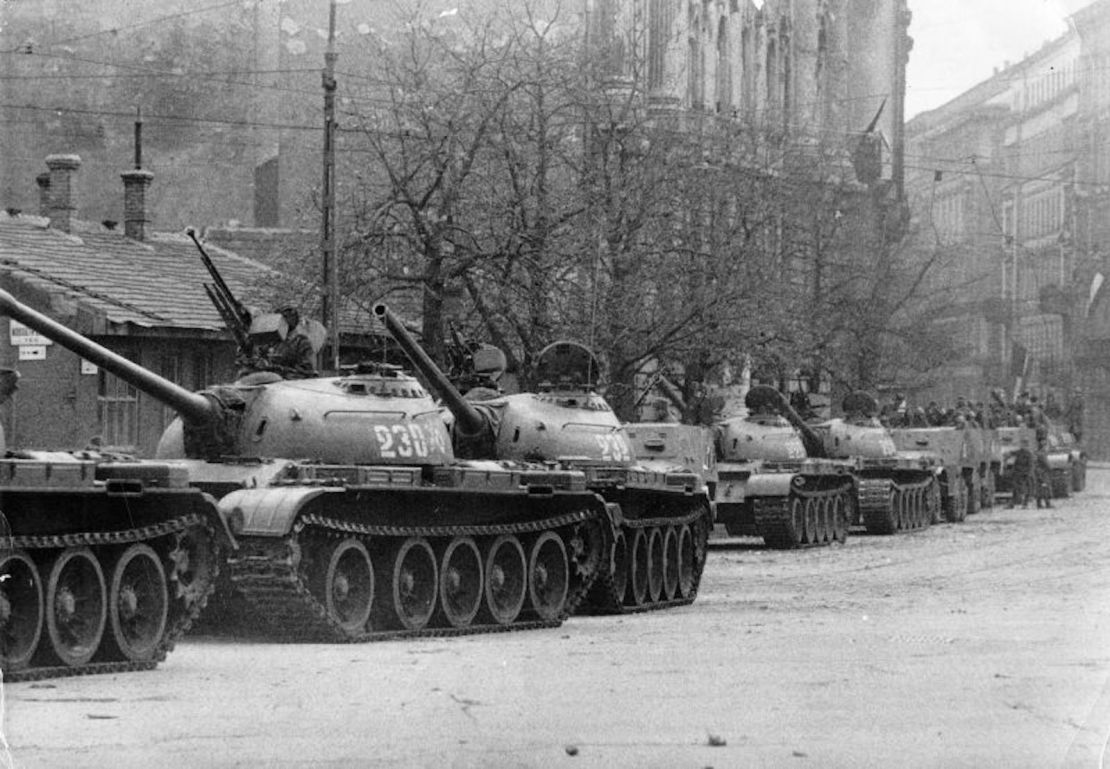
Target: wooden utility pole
point(327, 226)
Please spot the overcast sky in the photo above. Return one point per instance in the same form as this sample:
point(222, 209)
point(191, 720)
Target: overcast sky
point(958, 43)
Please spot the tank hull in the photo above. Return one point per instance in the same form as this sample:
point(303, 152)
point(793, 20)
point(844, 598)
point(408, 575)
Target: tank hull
point(363, 553)
point(103, 567)
point(806, 503)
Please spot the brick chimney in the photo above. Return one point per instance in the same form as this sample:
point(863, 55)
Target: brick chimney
point(62, 206)
point(43, 180)
point(134, 202)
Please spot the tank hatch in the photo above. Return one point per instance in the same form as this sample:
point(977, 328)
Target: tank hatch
point(567, 366)
point(381, 379)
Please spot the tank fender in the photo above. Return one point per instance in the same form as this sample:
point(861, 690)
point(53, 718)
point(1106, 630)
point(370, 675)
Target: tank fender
point(215, 513)
point(770, 484)
point(268, 512)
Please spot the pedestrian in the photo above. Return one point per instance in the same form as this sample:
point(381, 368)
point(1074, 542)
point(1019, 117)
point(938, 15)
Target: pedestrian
point(1043, 478)
point(1023, 470)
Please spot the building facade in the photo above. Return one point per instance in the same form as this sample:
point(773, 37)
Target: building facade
point(1009, 187)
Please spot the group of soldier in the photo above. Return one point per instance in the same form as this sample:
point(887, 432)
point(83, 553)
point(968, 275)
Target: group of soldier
point(1031, 472)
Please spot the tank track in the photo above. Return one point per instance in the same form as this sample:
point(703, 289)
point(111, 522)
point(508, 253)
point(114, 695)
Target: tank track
point(265, 571)
point(182, 612)
point(612, 593)
point(888, 507)
point(822, 518)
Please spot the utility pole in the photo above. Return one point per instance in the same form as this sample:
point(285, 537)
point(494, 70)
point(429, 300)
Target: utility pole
point(327, 226)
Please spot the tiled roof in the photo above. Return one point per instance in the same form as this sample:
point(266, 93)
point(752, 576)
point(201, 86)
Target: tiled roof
point(154, 283)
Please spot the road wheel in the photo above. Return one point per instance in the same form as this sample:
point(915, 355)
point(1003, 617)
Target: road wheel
point(548, 576)
point(21, 610)
point(138, 604)
point(414, 584)
point(506, 579)
point(639, 568)
point(670, 563)
point(687, 561)
point(76, 606)
point(460, 582)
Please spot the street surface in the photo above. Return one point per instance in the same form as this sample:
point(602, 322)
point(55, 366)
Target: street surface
point(984, 644)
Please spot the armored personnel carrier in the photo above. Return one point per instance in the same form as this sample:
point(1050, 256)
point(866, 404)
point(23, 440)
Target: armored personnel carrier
point(1067, 462)
point(660, 519)
point(965, 455)
point(895, 490)
point(104, 562)
point(775, 480)
point(352, 517)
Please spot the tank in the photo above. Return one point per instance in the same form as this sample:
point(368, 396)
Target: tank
point(775, 480)
point(660, 517)
point(894, 490)
point(105, 561)
point(352, 517)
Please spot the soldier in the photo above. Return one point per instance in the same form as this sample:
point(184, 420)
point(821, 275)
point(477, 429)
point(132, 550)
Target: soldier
point(1023, 475)
point(293, 355)
point(1042, 478)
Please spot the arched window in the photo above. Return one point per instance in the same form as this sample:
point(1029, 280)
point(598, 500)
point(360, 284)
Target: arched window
point(724, 68)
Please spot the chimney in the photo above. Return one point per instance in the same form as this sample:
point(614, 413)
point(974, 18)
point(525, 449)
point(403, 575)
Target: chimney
point(61, 206)
point(134, 202)
point(43, 180)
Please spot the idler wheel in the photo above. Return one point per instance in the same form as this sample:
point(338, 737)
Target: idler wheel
point(620, 567)
point(138, 603)
point(76, 606)
point(656, 564)
point(687, 558)
point(346, 585)
point(21, 610)
point(193, 564)
point(415, 577)
point(639, 568)
point(548, 576)
point(670, 563)
point(506, 579)
point(460, 582)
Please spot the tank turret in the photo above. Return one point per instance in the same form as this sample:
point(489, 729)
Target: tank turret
point(468, 418)
point(353, 518)
point(662, 519)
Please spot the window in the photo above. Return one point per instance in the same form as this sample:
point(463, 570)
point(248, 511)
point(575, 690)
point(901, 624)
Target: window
point(117, 411)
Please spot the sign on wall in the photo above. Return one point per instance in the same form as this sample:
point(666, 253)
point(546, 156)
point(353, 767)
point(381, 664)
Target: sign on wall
point(21, 336)
point(32, 352)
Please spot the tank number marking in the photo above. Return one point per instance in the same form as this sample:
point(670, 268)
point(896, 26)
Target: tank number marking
point(614, 448)
point(402, 441)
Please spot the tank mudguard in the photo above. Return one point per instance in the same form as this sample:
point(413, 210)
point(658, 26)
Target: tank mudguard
point(268, 512)
point(769, 484)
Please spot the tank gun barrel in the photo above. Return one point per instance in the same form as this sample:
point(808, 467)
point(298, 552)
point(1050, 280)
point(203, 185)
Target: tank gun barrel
point(191, 406)
point(814, 446)
point(470, 420)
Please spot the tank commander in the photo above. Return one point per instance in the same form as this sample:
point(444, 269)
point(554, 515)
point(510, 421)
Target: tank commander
point(292, 355)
